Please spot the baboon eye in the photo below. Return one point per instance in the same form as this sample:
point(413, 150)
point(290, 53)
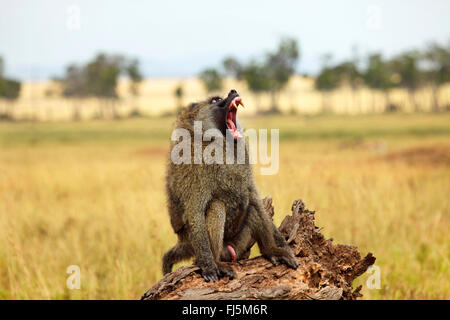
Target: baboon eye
point(215, 99)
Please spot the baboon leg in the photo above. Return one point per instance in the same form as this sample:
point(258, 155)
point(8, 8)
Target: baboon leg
point(215, 224)
point(181, 251)
point(241, 243)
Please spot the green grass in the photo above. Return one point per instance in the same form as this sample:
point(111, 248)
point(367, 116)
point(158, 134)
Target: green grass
point(291, 128)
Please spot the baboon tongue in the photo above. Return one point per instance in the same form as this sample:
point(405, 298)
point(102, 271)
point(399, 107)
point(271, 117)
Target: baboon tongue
point(232, 127)
point(231, 124)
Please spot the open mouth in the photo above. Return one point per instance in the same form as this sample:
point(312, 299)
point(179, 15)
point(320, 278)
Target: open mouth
point(231, 116)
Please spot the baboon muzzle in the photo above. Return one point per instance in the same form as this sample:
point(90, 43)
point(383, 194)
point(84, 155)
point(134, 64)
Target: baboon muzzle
point(232, 102)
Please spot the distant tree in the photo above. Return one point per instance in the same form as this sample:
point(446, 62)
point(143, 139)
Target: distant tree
point(350, 75)
point(2, 66)
point(233, 68)
point(74, 82)
point(438, 73)
point(280, 67)
point(212, 80)
point(9, 90)
point(102, 77)
point(326, 81)
point(134, 74)
point(179, 93)
point(74, 87)
point(410, 76)
point(257, 79)
point(99, 78)
point(379, 76)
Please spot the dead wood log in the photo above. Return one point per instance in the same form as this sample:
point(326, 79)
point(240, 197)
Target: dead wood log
point(326, 271)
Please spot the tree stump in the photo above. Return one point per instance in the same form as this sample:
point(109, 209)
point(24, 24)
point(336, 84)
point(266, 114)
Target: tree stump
point(326, 271)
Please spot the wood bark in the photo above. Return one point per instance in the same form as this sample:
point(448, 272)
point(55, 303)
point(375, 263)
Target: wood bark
point(326, 270)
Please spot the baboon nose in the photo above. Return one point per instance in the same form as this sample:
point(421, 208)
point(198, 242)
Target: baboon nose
point(232, 91)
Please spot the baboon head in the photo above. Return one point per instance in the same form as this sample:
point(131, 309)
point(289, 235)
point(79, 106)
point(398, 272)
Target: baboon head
point(216, 112)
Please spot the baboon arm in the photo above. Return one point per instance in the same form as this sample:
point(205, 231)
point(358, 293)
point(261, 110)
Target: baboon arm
point(263, 232)
point(257, 204)
point(256, 201)
point(261, 229)
point(195, 211)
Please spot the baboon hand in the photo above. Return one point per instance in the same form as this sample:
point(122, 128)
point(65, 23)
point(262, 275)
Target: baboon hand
point(210, 273)
point(284, 256)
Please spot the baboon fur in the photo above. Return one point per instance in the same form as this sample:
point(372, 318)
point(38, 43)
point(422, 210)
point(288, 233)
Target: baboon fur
point(215, 205)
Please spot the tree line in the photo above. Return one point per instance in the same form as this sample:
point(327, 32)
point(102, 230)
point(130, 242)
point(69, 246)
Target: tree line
point(410, 70)
point(268, 74)
point(98, 78)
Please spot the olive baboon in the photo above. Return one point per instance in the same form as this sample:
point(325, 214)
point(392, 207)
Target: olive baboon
point(215, 209)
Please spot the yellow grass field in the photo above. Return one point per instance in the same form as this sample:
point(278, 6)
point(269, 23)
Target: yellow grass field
point(91, 194)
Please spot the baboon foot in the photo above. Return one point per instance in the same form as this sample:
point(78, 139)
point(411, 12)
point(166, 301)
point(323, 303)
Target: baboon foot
point(226, 270)
point(281, 255)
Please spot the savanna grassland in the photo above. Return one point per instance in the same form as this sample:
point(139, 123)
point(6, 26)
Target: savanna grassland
point(92, 194)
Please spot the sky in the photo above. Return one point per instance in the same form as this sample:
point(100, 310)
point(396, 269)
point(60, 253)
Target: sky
point(39, 38)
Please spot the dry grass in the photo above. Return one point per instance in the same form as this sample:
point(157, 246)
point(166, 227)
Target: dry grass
point(92, 194)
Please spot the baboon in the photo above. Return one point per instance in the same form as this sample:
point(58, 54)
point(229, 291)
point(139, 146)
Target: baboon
point(215, 209)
